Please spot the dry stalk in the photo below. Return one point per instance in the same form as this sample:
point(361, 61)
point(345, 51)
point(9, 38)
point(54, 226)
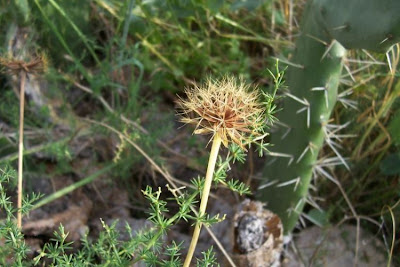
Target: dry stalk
point(21, 145)
point(22, 68)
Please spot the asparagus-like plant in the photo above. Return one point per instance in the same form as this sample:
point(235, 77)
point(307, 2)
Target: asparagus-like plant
point(231, 112)
point(328, 29)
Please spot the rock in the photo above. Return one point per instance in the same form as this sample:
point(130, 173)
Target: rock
point(258, 236)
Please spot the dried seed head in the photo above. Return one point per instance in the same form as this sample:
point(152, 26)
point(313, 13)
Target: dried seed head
point(228, 107)
point(35, 66)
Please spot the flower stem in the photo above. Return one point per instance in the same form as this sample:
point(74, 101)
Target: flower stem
point(204, 197)
point(21, 145)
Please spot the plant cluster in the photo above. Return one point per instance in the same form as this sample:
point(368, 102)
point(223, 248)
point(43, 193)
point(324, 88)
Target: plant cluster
point(148, 245)
point(121, 63)
point(108, 250)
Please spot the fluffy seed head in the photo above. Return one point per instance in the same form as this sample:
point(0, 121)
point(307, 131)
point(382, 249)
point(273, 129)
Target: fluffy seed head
point(228, 107)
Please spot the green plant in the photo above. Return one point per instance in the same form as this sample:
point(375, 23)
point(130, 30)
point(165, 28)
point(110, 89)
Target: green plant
point(231, 113)
point(120, 57)
point(14, 244)
point(121, 62)
point(108, 250)
point(327, 30)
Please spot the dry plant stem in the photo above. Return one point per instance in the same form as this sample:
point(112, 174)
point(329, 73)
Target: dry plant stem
point(21, 145)
point(204, 197)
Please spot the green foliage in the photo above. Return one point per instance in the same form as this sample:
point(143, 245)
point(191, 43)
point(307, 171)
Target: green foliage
point(171, 39)
point(313, 79)
point(220, 174)
point(9, 108)
point(391, 164)
point(356, 32)
point(133, 56)
point(14, 244)
point(394, 128)
point(128, 54)
point(108, 250)
point(208, 259)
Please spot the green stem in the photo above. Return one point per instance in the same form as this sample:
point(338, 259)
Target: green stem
point(72, 187)
point(77, 30)
point(34, 149)
point(204, 197)
point(63, 42)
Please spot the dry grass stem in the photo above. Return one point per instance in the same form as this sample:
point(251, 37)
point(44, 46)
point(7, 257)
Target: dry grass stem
point(21, 146)
point(22, 68)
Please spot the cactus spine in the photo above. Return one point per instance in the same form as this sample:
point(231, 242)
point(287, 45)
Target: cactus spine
point(327, 28)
